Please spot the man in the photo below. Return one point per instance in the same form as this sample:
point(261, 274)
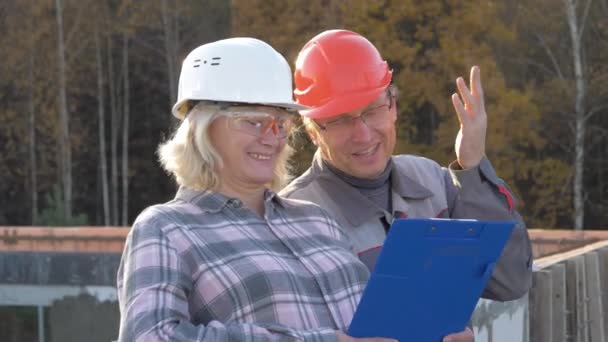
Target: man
point(341, 76)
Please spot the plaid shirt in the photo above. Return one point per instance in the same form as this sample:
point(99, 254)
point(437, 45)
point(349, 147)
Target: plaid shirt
point(205, 268)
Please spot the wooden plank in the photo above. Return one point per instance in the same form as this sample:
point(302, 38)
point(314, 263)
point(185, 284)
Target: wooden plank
point(571, 300)
point(582, 299)
point(63, 239)
point(559, 314)
point(594, 293)
point(576, 301)
point(553, 241)
point(541, 311)
point(567, 234)
point(557, 258)
point(526, 337)
point(603, 264)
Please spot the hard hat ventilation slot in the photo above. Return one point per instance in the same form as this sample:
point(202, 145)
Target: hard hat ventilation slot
point(215, 60)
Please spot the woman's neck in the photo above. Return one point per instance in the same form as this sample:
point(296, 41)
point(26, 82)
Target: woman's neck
point(252, 197)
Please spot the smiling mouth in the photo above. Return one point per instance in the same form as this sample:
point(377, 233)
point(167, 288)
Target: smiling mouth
point(367, 152)
point(260, 156)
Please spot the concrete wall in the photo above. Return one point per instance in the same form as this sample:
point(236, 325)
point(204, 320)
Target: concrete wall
point(501, 322)
point(58, 313)
point(83, 318)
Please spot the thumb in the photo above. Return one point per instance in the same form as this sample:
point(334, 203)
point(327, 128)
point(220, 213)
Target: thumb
point(465, 335)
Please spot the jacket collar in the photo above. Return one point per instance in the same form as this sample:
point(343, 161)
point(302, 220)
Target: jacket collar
point(354, 206)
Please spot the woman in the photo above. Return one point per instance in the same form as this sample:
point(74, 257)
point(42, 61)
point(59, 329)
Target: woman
point(227, 259)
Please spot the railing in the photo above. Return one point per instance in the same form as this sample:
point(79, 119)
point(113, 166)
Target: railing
point(568, 302)
point(63, 239)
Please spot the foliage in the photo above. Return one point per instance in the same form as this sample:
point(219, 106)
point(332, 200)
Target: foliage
point(427, 43)
point(53, 214)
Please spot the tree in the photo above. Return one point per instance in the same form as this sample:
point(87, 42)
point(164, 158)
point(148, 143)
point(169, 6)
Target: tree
point(103, 164)
point(65, 150)
point(32, 133)
point(120, 58)
point(125, 132)
point(576, 35)
point(428, 44)
point(171, 37)
point(24, 151)
point(570, 78)
point(54, 212)
point(115, 77)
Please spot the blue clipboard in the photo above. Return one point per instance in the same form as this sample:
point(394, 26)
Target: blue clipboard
point(428, 278)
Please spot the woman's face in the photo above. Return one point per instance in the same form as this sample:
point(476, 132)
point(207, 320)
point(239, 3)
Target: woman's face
point(249, 141)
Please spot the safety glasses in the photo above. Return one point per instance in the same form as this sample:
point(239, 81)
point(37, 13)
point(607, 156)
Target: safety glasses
point(374, 117)
point(259, 121)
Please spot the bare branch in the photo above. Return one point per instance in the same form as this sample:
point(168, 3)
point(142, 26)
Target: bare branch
point(74, 52)
point(571, 127)
point(593, 111)
point(604, 6)
point(75, 26)
point(584, 19)
point(531, 62)
point(549, 52)
point(591, 145)
point(152, 47)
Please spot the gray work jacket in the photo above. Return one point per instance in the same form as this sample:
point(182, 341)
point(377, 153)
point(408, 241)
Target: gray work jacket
point(421, 188)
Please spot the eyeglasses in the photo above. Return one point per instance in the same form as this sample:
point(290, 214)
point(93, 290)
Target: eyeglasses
point(372, 117)
point(258, 122)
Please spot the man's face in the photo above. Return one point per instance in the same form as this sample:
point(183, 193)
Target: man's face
point(359, 143)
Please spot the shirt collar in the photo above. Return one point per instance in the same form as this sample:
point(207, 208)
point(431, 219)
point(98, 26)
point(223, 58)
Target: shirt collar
point(211, 201)
point(271, 197)
point(355, 207)
point(206, 200)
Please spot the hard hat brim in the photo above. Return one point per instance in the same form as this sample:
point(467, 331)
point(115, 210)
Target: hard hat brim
point(292, 107)
point(181, 109)
point(343, 104)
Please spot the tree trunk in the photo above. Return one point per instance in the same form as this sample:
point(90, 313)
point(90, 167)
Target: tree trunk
point(64, 134)
point(125, 133)
point(170, 31)
point(114, 126)
point(579, 112)
point(102, 131)
point(32, 134)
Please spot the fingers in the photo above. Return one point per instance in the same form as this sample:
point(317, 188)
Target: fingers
point(342, 337)
point(465, 94)
point(470, 99)
point(475, 82)
point(461, 112)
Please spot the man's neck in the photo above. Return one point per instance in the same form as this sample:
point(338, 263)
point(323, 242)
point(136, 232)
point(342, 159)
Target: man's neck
point(362, 183)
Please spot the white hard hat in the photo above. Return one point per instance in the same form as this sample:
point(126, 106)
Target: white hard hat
point(242, 70)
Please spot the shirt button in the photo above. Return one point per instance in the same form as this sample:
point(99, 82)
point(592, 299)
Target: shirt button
point(235, 203)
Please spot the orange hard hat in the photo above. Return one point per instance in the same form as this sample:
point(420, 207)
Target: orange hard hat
point(338, 71)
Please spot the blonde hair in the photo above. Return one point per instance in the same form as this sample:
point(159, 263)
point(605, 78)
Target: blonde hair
point(190, 157)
